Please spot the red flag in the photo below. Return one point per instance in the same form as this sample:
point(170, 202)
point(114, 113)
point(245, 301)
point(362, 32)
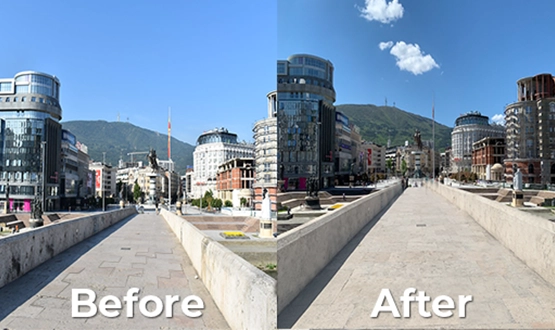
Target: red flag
point(169, 134)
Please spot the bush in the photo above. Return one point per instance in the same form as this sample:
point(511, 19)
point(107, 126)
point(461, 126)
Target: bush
point(228, 204)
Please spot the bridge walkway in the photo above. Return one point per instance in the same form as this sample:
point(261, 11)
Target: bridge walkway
point(138, 252)
point(424, 242)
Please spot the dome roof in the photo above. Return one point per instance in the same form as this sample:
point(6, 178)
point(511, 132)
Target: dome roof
point(497, 167)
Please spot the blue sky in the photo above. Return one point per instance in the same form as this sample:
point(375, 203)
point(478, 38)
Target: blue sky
point(477, 50)
point(212, 61)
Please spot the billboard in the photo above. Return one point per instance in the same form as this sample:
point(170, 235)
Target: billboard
point(98, 179)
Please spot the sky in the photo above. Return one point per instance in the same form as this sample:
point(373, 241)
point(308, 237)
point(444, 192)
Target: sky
point(455, 56)
point(213, 62)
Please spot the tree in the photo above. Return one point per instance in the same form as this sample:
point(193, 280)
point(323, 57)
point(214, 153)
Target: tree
point(136, 192)
point(217, 203)
point(243, 201)
point(403, 166)
point(208, 198)
point(228, 204)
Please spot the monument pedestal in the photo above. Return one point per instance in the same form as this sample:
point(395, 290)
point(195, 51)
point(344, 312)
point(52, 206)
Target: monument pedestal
point(34, 223)
point(152, 188)
point(518, 198)
point(312, 203)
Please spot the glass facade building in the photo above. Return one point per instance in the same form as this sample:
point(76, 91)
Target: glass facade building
point(306, 118)
point(30, 140)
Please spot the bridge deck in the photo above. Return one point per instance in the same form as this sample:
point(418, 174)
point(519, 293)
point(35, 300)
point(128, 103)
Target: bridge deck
point(424, 242)
point(139, 252)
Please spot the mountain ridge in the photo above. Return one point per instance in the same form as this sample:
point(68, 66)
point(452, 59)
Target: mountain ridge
point(380, 123)
point(117, 139)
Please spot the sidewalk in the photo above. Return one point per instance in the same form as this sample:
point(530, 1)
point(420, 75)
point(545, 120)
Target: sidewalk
point(139, 252)
point(426, 243)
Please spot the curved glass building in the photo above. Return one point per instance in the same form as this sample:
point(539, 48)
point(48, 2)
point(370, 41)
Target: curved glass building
point(30, 140)
point(306, 121)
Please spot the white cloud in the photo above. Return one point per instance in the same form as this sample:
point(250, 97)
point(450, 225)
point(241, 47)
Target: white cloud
point(386, 45)
point(381, 10)
point(410, 58)
point(498, 119)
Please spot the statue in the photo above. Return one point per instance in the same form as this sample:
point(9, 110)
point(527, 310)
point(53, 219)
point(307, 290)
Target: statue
point(7, 205)
point(152, 159)
point(517, 181)
point(418, 139)
point(36, 209)
point(266, 205)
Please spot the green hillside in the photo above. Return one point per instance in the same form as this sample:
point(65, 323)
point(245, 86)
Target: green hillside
point(378, 123)
point(119, 138)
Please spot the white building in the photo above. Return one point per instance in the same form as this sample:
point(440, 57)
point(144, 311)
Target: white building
point(105, 179)
point(470, 128)
point(213, 148)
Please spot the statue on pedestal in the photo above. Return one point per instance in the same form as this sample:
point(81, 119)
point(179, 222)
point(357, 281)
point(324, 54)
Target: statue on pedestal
point(153, 160)
point(418, 139)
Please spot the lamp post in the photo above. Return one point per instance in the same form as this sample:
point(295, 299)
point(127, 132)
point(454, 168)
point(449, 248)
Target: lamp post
point(43, 151)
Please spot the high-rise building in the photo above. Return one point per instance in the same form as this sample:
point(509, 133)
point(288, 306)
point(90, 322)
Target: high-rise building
point(213, 148)
point(74, 173)
point(469, 128)
point(530, 129)
point(306, 121)
point(30, 139)
point(265, 151)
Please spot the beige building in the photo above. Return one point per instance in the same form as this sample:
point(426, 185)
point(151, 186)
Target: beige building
point(530, 130)
point(265, 155)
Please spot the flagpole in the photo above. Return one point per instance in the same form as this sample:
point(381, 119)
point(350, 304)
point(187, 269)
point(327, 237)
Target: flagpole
point(433, 139)
point(169, 158)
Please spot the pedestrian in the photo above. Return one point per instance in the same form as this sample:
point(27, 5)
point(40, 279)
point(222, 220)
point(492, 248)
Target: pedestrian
point(344, 197)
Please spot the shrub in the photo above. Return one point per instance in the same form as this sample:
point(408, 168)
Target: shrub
point(228, 204)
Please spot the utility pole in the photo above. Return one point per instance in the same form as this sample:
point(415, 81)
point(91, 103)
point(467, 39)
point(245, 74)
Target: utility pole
point(433, 139)
point(103, 190)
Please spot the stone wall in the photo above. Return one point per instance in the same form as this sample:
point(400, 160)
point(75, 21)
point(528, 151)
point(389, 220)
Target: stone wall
point(529, 237)
point(24, 251)
point(304, 251)
point(245, 295)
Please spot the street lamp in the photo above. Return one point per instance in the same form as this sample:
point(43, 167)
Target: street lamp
point(43, 151)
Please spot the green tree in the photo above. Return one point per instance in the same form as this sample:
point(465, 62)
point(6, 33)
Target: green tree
point(389, 164)
point(217, 203)
point(404, 166)
point(243, 201)
point(136, 192)
point(228, 204)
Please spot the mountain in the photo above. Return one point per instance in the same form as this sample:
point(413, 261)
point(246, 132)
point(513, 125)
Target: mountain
point(378, 123)
point(118, 138)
